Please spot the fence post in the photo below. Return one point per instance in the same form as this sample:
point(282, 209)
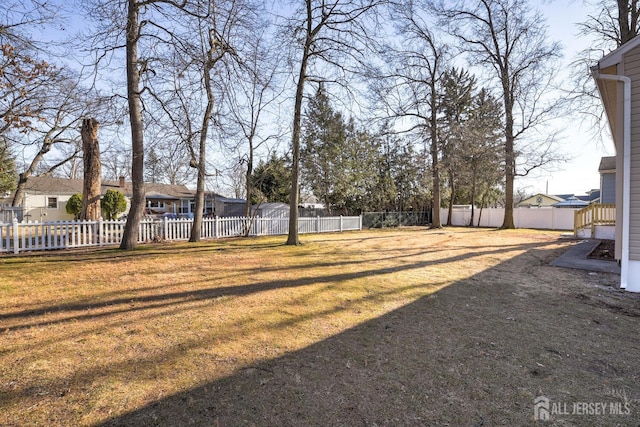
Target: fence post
point(341, 223)
point(101, 232)
point(215, 226)
point(165, 229)
point(360, 223)
point(317, 223)
point(16, 240)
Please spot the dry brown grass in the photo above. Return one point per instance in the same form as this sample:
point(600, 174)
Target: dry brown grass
point(91, 336)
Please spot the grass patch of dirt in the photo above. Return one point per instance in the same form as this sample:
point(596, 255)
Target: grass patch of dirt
point(388, 327)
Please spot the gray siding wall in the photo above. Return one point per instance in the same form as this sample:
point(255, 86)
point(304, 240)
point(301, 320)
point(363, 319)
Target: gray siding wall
point(608, 189)
point(631, 68)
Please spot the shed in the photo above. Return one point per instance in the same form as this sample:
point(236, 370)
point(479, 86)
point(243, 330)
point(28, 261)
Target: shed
point(272, 210)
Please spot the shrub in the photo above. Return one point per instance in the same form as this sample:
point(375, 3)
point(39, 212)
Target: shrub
point(113, 204)
point(74, 206)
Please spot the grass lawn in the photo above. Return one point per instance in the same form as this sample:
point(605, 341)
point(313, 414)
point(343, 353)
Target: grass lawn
point(393, 327)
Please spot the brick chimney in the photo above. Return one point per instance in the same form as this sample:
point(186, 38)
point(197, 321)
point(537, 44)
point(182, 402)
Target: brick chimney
point(121, 183)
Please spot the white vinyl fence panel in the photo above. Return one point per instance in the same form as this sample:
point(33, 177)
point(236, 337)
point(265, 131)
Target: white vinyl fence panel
point(540, 218)
point(16, 237)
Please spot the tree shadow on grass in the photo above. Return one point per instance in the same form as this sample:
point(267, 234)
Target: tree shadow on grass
point(475, 353)
point(155, 300)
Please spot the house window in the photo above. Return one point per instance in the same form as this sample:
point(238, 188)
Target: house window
point(155, 204)
point(52, 202)
point(184, 207)
point(208, 206)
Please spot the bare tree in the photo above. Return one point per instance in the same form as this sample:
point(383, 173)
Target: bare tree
point(19, 17)
point(215, 49)
point(613, 23)
point(332, 35)
point(191, 97)
point(251, 91)
point(61, 110)
point(409, 88)
point(133, 33)
point(150, 27)
point(509, 39)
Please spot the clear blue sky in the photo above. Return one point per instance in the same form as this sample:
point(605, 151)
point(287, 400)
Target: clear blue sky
point(580, 173)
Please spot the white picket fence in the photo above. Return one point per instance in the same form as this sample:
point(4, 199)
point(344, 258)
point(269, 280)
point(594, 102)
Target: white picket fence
point(17, 237)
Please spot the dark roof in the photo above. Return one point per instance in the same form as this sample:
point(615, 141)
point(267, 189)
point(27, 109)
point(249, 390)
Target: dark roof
point(49, 185)
point(593, 195)
point(229, 199)
point(607, 164)
point(571, 202)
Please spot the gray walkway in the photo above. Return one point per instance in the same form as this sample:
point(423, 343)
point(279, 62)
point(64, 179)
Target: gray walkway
point(576, 257)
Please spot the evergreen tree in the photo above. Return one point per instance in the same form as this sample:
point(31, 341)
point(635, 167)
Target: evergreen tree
point(324, 139)
point(483, 146)
point(339, 160)
point(456, 105)
point(152, 167)
point(271, 180)
point(471, 128)
point(8, 172)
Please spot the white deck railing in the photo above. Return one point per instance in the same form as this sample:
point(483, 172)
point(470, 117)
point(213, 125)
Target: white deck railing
point(33, 236)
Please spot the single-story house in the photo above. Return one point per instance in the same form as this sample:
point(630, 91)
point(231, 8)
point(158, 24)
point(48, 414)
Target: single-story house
point(607, 170)
point(539, 201)
point(560, 200)
point(45, 198)
point(617, 77)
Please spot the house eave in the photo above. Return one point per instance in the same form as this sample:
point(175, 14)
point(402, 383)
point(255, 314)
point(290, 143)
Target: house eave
point(615, 57)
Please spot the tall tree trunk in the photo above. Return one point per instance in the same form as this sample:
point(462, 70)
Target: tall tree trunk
point(248, 183)
point(92, 185)
point(451, 198)
point(509, 154)
point(473, 191)
point(19, 193)
point(436, 222)
point(627, 20)
point(204, 129)
point(130, 235)
point(294, 195)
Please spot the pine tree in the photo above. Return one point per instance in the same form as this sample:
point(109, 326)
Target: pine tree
point(271, 181)
point(8, 172)
point(323, 142)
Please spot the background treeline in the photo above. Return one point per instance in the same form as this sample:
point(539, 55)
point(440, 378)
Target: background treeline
point(363, 104)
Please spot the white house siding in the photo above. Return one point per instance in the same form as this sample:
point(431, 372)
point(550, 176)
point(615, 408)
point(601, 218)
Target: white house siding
point(37, 209)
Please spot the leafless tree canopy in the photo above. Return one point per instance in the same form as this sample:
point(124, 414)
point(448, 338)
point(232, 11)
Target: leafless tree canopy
point(509, 40)
point(327, 44)
point(612, 24)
